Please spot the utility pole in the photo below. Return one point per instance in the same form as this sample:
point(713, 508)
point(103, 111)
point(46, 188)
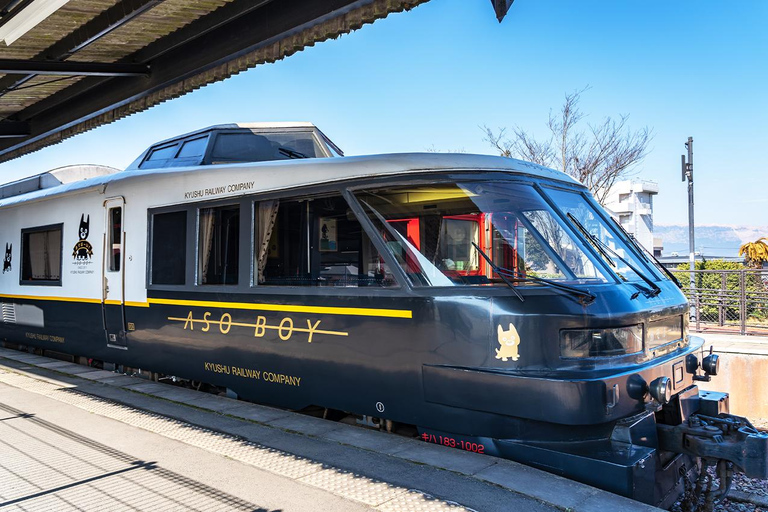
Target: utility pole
point(688, 173)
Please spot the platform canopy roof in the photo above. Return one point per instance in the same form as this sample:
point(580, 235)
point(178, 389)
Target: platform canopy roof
point(67, 66)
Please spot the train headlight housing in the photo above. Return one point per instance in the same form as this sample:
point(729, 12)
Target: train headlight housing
point(617, 341)
point(711, 364)
point(661, 390)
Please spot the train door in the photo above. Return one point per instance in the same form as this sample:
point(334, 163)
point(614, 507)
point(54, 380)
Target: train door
point(113, 278)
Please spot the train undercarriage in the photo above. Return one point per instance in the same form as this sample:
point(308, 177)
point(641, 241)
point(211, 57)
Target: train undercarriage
point(689, 446)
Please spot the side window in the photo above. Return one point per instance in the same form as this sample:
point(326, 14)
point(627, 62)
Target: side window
point(163, 153)
point(158, 157)
point(315, 242)
point(169, 247)
point(193, 147)
point(41, 255)
point(218, 245)
point(191, 153)
point(243, 147)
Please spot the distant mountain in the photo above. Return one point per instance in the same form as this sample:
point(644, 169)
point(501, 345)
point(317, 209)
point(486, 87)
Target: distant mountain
point(710, 240)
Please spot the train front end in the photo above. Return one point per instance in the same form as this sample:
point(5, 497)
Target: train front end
point(576, 353)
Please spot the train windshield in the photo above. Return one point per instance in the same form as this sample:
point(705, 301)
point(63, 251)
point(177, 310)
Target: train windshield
point(623, 260)
point(440, 234)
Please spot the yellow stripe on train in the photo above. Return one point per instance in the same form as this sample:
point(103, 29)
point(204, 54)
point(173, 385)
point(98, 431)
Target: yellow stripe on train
point(289, 308)
point(282, 308)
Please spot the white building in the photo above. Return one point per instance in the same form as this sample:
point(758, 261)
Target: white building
point(631, 203)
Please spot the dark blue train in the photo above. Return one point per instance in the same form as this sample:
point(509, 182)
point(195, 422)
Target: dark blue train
point(489, 302)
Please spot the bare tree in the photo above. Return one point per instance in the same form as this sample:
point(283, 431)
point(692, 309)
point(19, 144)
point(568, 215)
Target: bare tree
point(598, 157)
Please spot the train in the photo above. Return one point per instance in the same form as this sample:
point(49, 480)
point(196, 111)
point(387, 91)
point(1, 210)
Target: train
point(488, 302)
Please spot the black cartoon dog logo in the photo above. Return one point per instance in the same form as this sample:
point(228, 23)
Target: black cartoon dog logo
point(84, 223)
point(83, 249)
point(7, 259)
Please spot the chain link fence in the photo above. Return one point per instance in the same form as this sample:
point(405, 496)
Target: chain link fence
point(727, 300)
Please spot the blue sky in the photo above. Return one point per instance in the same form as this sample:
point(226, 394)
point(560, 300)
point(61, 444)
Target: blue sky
point(429, 78)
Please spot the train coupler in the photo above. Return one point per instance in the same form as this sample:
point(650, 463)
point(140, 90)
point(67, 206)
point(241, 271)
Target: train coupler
point(724, 437)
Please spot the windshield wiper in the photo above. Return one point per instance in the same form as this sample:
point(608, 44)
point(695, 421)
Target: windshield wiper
point(585, 297)
point(648, 253)
point(291, 153)
point(596, 243)
point(602, 248)
point(494, 267)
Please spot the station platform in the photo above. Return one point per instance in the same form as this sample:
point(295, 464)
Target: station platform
point(76, 438)
point(743, 373)
point(735, 343)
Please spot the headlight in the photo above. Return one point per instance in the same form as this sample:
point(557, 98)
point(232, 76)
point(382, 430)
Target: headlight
point(601, 342)
point(664, 331)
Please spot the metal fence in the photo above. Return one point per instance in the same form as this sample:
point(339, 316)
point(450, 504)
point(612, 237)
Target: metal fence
point(727, 300)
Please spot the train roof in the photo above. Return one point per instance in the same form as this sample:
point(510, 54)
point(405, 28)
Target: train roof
point(287, 174)
point(54, 178)
point(238, 143)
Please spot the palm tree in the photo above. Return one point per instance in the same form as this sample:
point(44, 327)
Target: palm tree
point(756, 253)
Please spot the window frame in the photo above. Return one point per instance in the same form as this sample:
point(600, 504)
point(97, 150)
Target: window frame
point(214, 136)
point(485, 176)
point(22, 245)
point(248, 281)
point(645, 263)
point(208, 157)
point(312, 194)
point(151, 212)
point(111, 242)
point(204, 138)
point(191, 248)
point(160, 161)
point(190, 161)
point(235, 203)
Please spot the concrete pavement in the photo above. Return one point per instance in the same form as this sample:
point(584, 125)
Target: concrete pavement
point(54, 456)
point(736, 343)
point(303, 459)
